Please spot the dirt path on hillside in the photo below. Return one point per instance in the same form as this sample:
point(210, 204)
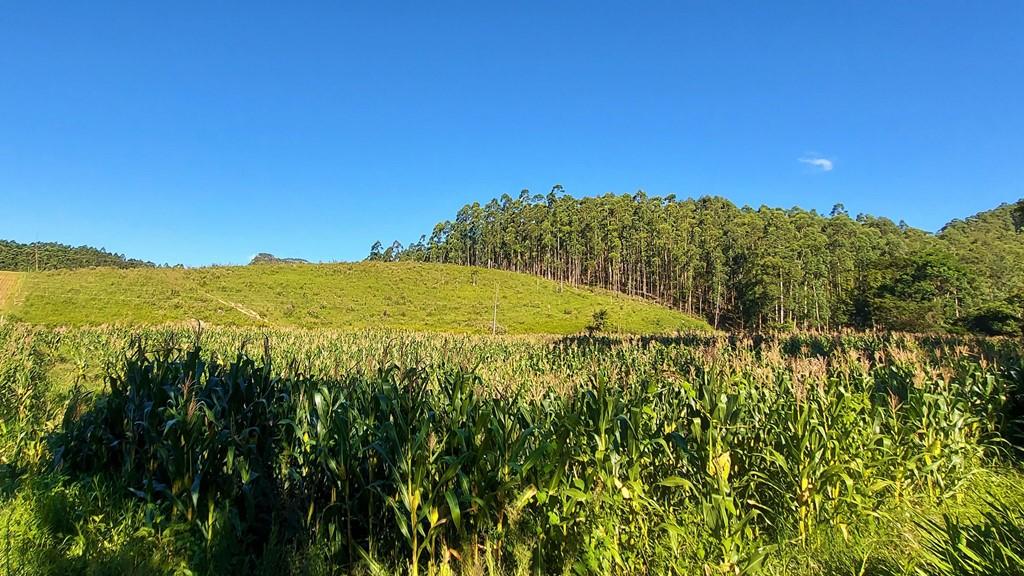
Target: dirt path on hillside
point(8, 284)
point(247, 311)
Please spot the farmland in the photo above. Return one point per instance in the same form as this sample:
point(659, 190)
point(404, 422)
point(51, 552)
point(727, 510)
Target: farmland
point(284, 450)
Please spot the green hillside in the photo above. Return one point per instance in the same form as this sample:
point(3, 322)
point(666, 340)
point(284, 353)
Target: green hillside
point(397, 295)
point(990, 246)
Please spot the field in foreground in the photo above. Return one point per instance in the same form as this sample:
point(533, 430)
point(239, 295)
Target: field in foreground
point(160, 451)
point(410, 296)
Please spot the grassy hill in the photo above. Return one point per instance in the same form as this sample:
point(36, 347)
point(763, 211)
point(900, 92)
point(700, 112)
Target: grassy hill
point(397, 295)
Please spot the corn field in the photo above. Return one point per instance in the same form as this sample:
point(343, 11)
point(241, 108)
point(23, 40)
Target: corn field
point(389, 452)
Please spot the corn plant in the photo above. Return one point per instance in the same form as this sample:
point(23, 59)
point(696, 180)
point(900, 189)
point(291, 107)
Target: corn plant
point(463, 454)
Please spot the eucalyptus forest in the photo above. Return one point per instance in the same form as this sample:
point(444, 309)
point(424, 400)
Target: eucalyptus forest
point(745, 268)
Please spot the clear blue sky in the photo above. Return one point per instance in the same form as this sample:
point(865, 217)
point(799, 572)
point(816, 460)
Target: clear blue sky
point(206, 132)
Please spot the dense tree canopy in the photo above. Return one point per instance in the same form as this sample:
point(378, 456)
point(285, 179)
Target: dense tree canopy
point(1018, 216)
point(991, 247)
point(743, 267)
point(53, 256)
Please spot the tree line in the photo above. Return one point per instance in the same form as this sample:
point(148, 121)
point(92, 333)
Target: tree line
point(53, 256)
point(746, 268)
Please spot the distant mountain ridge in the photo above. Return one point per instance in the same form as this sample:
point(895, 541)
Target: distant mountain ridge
point(267, 258)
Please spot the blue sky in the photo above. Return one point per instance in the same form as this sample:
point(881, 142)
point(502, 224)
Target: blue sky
point(206, 132)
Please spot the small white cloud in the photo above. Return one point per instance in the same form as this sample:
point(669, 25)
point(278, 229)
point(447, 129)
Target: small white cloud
point(823, 164)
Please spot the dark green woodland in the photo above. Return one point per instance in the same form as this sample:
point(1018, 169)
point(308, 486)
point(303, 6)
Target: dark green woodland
point(746, 268)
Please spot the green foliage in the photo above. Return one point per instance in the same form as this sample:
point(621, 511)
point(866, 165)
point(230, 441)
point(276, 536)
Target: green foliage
point(740, 267)
point(918, 292)
point(992, 545)
point(989, 246)
point(996, 320)
point(390, 452)
point(598, 321)
point(391, 254)
point(53, 256)
point(350, 296)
